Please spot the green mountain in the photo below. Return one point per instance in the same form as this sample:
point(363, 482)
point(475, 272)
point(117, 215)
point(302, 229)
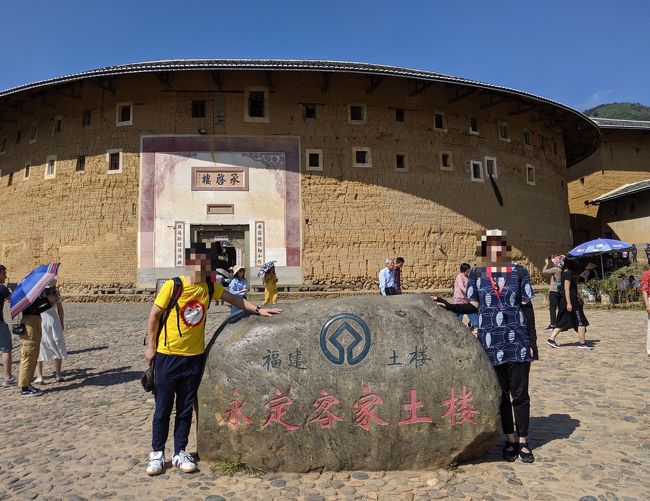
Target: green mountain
point(625, 111)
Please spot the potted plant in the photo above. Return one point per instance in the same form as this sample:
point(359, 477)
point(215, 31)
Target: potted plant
point(608, 288)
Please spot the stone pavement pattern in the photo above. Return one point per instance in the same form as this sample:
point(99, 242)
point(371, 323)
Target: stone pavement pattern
point(88, 437)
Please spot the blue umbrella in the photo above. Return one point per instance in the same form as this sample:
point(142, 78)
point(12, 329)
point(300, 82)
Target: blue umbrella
point(31, 286)
point(266, 267)
point(599, 247)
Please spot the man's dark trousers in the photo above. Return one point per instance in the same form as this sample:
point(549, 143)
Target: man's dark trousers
point(178, 377)
point(553, 301)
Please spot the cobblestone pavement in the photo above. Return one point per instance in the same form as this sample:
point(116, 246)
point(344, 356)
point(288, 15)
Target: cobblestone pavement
point(88, 437)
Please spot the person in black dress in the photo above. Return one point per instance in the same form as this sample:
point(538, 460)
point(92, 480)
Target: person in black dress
point(570, 314)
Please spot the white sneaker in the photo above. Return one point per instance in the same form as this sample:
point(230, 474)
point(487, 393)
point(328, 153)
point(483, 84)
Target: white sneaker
point(156, 463)
point(184, 462)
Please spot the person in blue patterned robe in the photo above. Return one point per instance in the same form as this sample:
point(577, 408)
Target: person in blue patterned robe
point(500, 292)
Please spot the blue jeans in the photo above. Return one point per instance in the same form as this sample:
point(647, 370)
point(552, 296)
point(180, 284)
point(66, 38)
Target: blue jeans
point(176, 377)
point(472, 317)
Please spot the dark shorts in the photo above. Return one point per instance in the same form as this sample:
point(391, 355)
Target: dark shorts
point(5, 338)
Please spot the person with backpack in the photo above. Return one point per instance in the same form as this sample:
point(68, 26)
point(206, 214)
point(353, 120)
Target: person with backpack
point(176, 345)
point(500, 292)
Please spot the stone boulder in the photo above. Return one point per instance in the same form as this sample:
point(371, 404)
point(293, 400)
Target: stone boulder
point(356, 383)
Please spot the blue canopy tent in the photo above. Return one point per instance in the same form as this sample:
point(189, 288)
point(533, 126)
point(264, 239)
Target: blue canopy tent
point(599, 247)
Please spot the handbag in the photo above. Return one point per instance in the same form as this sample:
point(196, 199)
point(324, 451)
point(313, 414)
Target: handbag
point(18, 329)
point(147, 379)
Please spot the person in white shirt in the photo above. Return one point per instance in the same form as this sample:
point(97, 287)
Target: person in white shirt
point(387, 279)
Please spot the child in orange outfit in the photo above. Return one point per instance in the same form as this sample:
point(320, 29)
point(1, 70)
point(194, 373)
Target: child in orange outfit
point(270, 287)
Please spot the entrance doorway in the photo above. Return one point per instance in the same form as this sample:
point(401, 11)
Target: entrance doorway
point(232, 238)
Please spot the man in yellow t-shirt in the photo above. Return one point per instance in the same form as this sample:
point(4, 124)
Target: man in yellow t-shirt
point(178, 351)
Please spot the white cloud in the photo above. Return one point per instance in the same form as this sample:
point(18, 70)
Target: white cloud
point(595, 99)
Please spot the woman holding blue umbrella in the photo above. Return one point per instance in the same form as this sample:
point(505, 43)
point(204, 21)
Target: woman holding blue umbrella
point(32, 298)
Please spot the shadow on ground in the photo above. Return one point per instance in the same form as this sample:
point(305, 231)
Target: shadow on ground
point(109, 377)
point(87, 350)
point(543, 429)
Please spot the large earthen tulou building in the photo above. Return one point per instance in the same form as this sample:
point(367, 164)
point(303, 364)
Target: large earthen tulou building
point(326, 167)
point(608, 191)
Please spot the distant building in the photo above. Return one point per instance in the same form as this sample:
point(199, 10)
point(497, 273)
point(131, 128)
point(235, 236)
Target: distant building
point(608, 190)
point(624, 214)
point(326, 167)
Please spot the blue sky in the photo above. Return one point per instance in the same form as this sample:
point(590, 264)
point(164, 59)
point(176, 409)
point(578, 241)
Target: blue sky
point(579, 52)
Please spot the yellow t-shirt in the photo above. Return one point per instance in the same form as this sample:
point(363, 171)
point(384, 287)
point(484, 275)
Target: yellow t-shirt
point(192, 307)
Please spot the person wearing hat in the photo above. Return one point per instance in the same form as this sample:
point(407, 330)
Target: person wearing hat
point(500, 292)
point(270, 286)
point(238, 286)
point(589, 273)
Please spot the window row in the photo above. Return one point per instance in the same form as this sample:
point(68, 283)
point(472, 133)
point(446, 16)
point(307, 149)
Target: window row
point(113, 166)
point(362, 158)
point(123, 116)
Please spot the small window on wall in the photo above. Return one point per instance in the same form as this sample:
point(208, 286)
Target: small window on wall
point(124, 114)
point(530, 174)
point(439, 122)
point(33, 133)
point(399, 115)
point(3, 145)
point(86, 118)
point(528, 140)
point(257, 105)
point(504, 133)
point(309, 111)
point(476, 170)
point(26, 171)
point(357, 113)
point(58, 125)
point(114, 160)
point(81, 163)
point(50, 167)
point(361, 157)
point(474, 127)
point(198, 109)
point(491, 167)
point(446, 162)
point(400, 162)
point(314, 160)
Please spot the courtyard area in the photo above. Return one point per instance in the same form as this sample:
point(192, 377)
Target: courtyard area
point(89, 436)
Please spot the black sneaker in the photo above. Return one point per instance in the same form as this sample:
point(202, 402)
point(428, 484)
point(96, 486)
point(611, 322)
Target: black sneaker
point(526, 457)
point(549, 328)
point(510, 451)
point(31, 391)
point(585, 346)
point(552, 343)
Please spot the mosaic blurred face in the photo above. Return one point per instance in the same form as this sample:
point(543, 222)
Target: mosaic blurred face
point(390, 265)
point(198, 262)
point(496, 250)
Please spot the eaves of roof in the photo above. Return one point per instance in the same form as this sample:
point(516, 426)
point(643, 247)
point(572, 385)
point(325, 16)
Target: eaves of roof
point(616, 123)
point(581, 134)
point(622, 191)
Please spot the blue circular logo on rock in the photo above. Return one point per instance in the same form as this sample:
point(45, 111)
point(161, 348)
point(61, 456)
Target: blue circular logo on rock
point(345, 338)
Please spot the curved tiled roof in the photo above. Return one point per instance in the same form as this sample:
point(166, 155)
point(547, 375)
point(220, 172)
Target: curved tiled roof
point(581, 134)
point(616, 123)
point(622, 191)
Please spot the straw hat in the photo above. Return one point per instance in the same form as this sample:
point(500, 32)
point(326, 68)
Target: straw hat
point(237, 268)
point(591, 266)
